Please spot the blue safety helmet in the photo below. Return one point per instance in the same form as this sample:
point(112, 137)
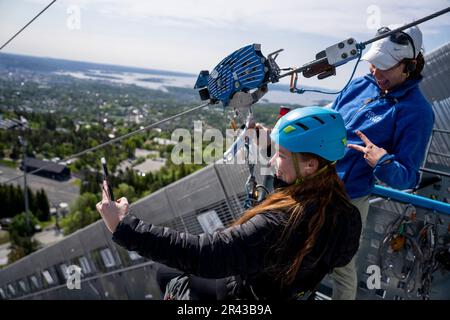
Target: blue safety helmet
point(316, 130)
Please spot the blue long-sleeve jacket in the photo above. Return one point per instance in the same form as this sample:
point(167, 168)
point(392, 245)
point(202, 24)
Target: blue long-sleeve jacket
point(400, 121)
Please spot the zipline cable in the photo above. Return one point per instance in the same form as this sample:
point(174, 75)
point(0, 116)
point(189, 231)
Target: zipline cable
point(24, 27)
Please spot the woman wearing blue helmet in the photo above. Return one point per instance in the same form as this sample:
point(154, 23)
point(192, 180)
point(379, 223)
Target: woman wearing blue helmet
point(311, 130)
point(278, 249)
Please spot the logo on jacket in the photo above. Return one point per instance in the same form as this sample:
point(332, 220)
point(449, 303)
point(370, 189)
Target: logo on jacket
point(372, 116)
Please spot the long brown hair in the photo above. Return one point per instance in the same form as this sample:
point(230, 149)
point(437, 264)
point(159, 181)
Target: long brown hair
point(420, 64)
point(315, 192)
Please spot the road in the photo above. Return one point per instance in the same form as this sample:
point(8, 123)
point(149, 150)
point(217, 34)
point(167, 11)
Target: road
point(57, 191)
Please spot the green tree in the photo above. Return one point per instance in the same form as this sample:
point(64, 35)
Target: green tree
point(23, 225)
point(15, 152)
point(91, 182)
point(47, 149)
point(31, 200)
point(2, 150)
point(127, 191)
point(130, 147)
point(13, 202)
point(82, 213)
point(50, 122)
point(21, 231)
point(43, 207)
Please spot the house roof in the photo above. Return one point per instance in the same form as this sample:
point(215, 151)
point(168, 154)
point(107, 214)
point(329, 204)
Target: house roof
point(49, 166)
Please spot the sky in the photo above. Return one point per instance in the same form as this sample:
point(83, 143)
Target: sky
point(189, 36)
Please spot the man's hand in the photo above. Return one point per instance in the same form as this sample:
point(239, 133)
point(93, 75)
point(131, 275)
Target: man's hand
point(372, 153)
point(112, 212)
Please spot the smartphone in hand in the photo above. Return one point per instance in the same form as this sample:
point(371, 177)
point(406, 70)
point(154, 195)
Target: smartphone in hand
point(106, 178)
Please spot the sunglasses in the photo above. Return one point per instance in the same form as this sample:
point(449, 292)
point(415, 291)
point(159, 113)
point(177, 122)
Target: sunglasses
point(399, 37)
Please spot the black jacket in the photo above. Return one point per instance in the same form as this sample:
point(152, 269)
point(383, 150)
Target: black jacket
point(245, 251)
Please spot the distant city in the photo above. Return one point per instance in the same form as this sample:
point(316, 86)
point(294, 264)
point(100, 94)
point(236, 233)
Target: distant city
point(147, 78)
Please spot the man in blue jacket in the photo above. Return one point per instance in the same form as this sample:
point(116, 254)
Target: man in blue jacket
point(389, 123)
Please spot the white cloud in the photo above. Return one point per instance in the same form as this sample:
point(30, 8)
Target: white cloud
point(188, 35)
point(333, 18)
point(318, 17)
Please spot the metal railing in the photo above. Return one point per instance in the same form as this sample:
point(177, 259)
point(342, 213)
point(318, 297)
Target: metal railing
point(404, 197)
